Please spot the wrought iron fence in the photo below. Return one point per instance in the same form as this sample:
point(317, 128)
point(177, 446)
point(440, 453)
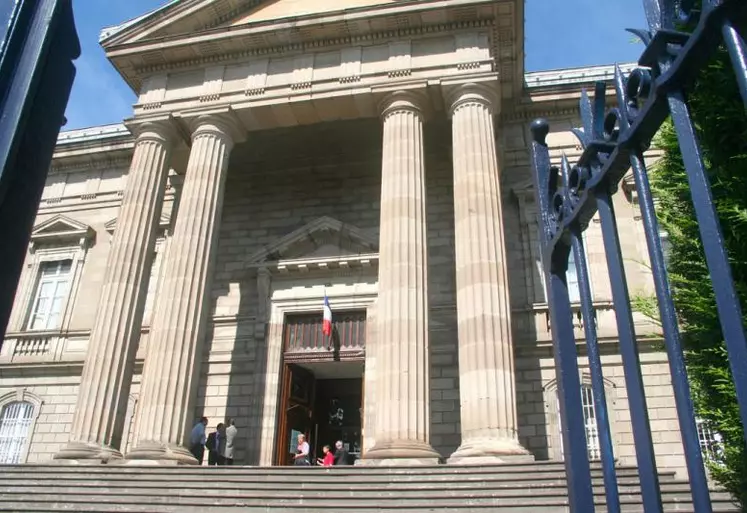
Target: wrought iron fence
point(569, 196)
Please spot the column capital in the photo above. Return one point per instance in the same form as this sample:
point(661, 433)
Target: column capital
point(403, 101)
point(220, 124)
point(161, 129)
point(472, 94)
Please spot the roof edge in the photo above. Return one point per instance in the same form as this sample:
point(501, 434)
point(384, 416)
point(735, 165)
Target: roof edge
point(94, 133)
point(107, 33)
point(576, 75)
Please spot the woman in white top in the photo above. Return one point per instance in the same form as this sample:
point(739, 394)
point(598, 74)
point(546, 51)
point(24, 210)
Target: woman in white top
point(302, 452)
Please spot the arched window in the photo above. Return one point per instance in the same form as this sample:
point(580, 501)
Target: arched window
point(590, 423)
point(16, 419)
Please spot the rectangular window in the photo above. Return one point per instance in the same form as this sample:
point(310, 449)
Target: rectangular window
point(51, 295)
point(574, 290)
point(574, 287)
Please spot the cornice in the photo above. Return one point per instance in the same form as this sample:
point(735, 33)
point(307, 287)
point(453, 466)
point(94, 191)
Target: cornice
point(64, 165)
point(313, 45)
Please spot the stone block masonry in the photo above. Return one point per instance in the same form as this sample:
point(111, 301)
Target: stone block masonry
point(336, 173)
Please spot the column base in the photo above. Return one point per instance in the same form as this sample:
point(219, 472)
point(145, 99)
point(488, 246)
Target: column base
point(158, 453)
point(401, 453)
point(487, 451)
point(87, 452)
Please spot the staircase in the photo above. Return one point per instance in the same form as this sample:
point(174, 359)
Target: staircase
point(510, 488)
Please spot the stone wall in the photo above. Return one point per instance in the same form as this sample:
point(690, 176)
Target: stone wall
point(538, 409)
point(57, 395)
point(335, 173)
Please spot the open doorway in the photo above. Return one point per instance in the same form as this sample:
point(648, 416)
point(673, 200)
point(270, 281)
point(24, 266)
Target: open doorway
point(324, 401)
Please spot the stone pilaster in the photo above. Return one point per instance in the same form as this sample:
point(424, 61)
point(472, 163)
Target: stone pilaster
point(98, 423)
point(402, 422)
point(165, 412)
point(486, 361)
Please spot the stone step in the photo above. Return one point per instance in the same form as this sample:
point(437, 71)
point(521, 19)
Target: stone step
point(102, 492)
point(458, 506)
point(310, 478)
point(340, 489)
point(550, 471)
point(504, 467)
point(162, 489)
point(307, 485)
point(205, 504)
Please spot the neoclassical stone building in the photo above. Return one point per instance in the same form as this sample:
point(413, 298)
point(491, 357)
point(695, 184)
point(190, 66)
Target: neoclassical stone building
point(374, 152)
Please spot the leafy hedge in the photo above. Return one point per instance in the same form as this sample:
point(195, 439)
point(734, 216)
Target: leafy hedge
point(721, 123)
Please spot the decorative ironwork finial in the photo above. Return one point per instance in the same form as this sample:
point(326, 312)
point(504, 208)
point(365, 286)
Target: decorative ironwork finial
point(540, 128)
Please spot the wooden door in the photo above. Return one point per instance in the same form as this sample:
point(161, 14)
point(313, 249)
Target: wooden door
point(296, 411)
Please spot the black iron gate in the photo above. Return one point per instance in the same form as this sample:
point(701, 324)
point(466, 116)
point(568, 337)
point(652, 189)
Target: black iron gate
point(568, 197)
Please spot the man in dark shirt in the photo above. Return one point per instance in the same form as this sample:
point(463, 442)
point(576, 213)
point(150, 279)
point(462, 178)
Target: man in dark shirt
point(341, 455)
point(216, 445)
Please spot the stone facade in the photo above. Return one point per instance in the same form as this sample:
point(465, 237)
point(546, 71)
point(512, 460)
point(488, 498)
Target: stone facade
point(387, 169)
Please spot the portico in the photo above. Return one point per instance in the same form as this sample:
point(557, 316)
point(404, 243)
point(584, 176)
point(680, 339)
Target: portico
point(207, 93)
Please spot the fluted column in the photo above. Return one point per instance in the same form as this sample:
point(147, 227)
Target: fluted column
point(171, 373)
point(99, 419)
point(486, 361)
point(402, 420)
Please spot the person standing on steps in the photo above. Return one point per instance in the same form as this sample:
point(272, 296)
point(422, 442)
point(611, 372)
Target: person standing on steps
point(216, 445)
point(231, 432)
point(341, 455)
point(301, 458)
point(197, 440)
point(328, 459)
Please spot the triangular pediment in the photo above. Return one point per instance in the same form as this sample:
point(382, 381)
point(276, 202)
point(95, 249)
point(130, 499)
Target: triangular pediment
point(61, 229)
point(190, 17)
point(177, 17)
point(280, 9)
point(322, 238)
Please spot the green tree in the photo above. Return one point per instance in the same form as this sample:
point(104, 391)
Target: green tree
point(721, 124)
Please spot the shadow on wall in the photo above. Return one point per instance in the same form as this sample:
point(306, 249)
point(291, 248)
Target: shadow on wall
point(247, 382)
point(445, 406)
point(236, 376)
point(525, 284)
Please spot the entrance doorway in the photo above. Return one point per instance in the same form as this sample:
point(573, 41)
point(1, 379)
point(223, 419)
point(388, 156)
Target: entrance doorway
point(324, 401)
point(322, 385)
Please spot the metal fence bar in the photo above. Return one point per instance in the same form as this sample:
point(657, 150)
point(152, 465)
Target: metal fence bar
point(629, 93)
point(576, 458)
point(597, 376)
point(737, 48)
point(592, 117)
point(644, 447)
point(36, 75)
point(613, 142)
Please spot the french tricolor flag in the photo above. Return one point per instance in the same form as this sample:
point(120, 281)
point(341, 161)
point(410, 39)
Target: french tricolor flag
point(327, 317)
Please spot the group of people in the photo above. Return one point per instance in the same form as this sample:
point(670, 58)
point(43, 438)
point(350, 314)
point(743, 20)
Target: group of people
point(220, 446)
point(219, 443)
point(302, 458)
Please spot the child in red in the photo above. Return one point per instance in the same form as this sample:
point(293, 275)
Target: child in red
point(329, 458)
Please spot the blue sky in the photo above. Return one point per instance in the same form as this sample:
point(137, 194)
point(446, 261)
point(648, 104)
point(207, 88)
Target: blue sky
point(558, 34)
